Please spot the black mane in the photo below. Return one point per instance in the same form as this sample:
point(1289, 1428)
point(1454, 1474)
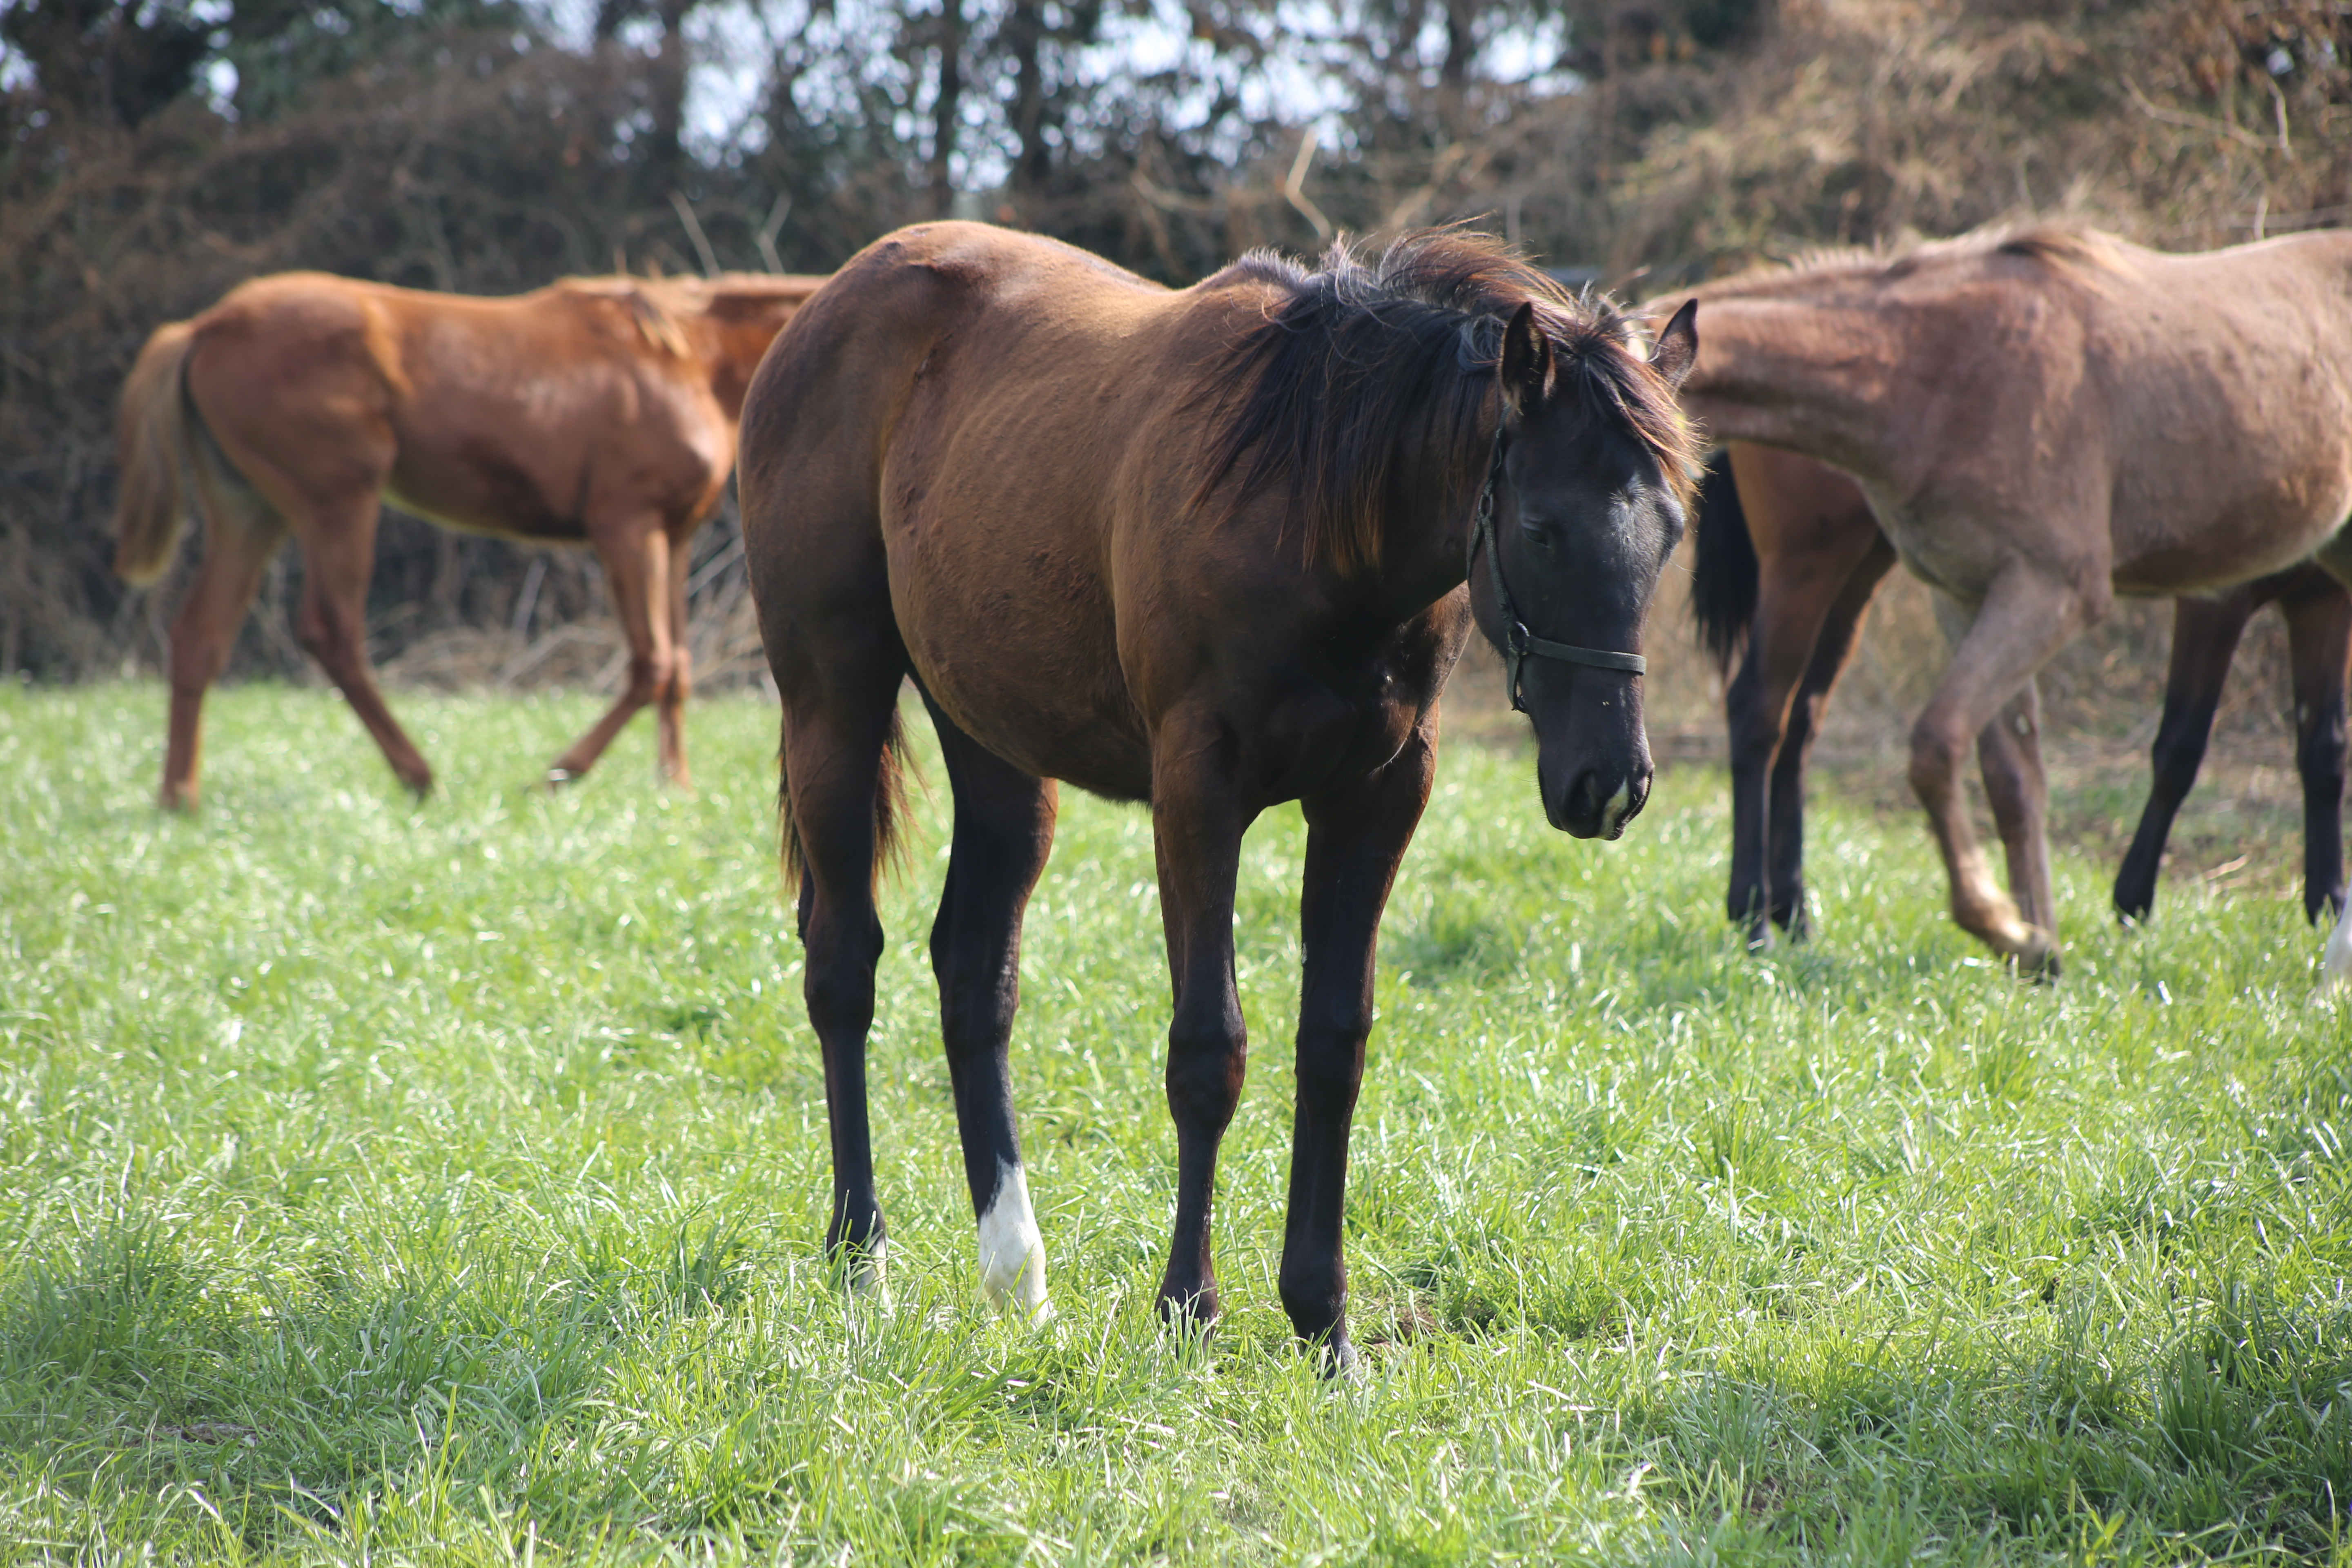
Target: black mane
point(1369, 366)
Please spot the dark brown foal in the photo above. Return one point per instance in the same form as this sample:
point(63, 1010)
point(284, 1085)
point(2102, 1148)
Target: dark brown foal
point(1203, 548)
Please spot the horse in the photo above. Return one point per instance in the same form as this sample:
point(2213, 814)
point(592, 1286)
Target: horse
point(1788, 557)
point(598, 409)
point(2043, 418)
point(1205, 549)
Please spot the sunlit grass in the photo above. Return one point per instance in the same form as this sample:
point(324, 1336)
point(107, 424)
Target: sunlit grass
point(442, 1182)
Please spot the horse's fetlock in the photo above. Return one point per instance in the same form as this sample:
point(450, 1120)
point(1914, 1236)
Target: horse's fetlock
point(1205, 1075)
point(1314, 1297)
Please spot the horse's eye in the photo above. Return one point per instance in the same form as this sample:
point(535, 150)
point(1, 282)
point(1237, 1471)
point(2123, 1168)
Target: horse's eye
point(1538, 534)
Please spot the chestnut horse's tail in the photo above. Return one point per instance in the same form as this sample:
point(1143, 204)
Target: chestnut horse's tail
point(1725, 577)
point(152, 446)
point(889, 808)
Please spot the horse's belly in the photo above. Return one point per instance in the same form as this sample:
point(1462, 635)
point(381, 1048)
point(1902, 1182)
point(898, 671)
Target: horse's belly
point(1018, 648)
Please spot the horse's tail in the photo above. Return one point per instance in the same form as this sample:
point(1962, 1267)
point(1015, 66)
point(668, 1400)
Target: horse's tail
point(889, 808)
point(1725, 577)
point(152, 446)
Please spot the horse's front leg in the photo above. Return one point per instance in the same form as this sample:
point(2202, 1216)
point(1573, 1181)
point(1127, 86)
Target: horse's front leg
point(1198, 815)
point(1355, 838)
point(1003, 831)
point(2027, 616)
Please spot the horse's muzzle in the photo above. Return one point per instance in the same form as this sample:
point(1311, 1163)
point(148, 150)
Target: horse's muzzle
point(1599, 802)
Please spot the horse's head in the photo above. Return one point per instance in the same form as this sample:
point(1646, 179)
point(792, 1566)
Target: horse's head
point(1585, 510)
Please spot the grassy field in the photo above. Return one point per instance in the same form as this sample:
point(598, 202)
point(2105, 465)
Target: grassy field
point(441, 1184)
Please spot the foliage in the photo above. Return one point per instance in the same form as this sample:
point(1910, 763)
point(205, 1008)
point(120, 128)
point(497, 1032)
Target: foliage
point(442, 1184)
point(473, 145)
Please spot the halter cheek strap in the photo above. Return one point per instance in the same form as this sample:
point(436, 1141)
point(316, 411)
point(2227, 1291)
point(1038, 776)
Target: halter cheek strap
point(1518, 643)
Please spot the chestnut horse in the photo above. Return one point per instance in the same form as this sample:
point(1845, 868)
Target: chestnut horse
point(1205, 549)
point(2043, 419)
point(1789, 557)
point(599, 410)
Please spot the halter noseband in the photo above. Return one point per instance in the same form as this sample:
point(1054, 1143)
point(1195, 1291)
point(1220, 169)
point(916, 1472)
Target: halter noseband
point(1518, 641)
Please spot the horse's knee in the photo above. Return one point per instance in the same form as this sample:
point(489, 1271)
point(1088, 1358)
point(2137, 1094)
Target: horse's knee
point(1936, 758)
point(1206, 1059)
point(650, 675)
point(838, 983)
point(1331, 1067)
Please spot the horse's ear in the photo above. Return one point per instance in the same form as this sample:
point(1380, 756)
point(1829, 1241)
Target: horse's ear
point(1526, 367)
point(1676, 349)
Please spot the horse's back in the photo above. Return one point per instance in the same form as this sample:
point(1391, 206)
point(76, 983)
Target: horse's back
point(948, 434)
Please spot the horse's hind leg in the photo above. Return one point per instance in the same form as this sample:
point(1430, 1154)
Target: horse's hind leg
point(2205, 633)
point(840, 779)
point(2319, 640)
point(338, 556)
point(1833, 647)
point(1003, 831)
point(1355, 838)
point(241, 533)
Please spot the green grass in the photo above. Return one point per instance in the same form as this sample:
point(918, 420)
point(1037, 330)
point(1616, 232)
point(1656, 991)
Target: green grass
point(442, 1184)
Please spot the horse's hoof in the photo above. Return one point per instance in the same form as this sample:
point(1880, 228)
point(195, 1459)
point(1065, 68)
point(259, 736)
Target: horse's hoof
point(863, 1271)
point(2037, 957)
point(557, 777)
point(1189, 1316)
point(1337, 1360)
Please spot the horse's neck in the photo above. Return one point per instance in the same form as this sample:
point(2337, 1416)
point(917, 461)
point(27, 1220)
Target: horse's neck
point(1422, 559)
point(1783, 374)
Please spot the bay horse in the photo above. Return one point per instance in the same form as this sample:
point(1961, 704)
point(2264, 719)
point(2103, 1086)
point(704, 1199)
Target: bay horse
point(1787, 559)
point(2043, 418)
point(598, 410)
point(1205, 549)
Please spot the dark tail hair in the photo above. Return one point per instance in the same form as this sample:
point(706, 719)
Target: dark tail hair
point(890, 809)
point(1724, 578)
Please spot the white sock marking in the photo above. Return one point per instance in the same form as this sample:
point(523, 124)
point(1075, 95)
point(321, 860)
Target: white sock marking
point(1011, 1253)
point(869, 1272)
point(2335, 963)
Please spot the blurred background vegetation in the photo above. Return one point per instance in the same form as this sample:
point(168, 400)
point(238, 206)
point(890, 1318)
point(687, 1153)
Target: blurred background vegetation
point(155, 152)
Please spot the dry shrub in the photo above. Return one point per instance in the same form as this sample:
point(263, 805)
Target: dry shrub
point(1862, 121)
point(491, 167)
point(483, 167)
